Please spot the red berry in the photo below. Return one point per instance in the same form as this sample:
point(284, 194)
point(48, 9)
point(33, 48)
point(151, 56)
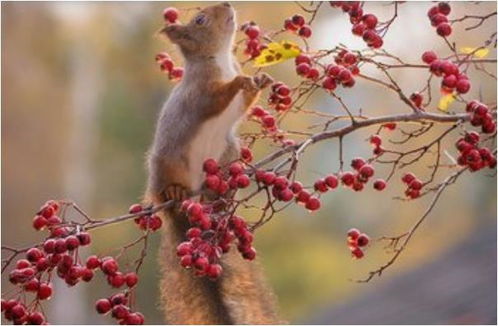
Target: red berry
point(72, 242)
point(109, 266)
point(358, 29)
point(120, 311)
point(22, 263)
point(357, 253)
point(329, 83)
point(313, 204)
point(366, 171)
point(462, 86)
point(444, 8)
point(417, 99)
point(375, 140)
point(303, 196)
point(36, 318)
point(252, 31)
point(92, 262)
point(176, 73)
point(321, 186)
point(353, 234)
point(429, 56)
point(331, 181)
point(305, 31)
point(379, 184)
point(60, 246)
point(32, 285)
point(135, 208)
point(302, 58)
point(103, 306)
point(298, 20)
point(268, 121)
point(362, 240)
point(34, 254)
point(408, 178)
point(44, 291)
point(443, 29)
point(134, 318)
point(289, 25)
point(303, 69)
point(131, 279)
point(415, 184)
point(184, 248)
point(186, 261)
point(39, 222)
point(214, 271)
point(116, 280)
point(170, 14)
point(243, 181)
point(370, 21)
point(347, 178)
point(313, 74)
point(357, 163)
point(296, 187)
point(258, 111)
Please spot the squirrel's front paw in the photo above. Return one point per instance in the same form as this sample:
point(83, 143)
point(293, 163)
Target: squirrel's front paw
point(247, 83)
point(176, 192)
point(263, 80)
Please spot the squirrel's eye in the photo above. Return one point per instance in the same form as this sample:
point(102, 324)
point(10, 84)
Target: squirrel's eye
point(200, 20)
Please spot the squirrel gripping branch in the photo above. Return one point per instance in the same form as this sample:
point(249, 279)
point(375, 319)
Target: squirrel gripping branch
point(198, 122)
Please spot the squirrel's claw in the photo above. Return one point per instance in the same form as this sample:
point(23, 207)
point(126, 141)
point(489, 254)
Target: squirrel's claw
point(176, 192)
point(263, 80)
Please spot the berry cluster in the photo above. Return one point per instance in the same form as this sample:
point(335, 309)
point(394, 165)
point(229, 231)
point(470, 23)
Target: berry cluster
point(438, 17)
point(376, 141)
point(211, 235)
point(481, 117)
point(417, 99)
point(167, 65)
point(280, 97)
point(305, 69)
point(356, 240)
point(148, 221)
point(297, 24)
point(170, 15)
point(343, 72)
point(17, 311)
point(363, 24)
point(362, 173)
point(253, 42)
point(120, 310)
point(414, 185)
point(59, 253)
point(269, 125)
point(453, 79)
point(472, 155)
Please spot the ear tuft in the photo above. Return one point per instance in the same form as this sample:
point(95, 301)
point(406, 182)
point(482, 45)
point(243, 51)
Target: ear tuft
point(173, 32)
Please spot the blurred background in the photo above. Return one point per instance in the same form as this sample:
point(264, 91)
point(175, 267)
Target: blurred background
point(81, 93)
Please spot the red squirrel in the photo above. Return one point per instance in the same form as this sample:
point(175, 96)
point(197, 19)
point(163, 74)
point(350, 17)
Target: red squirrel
point(198, 122)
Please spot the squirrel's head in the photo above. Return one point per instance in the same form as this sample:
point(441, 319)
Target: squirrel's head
point(210, 32)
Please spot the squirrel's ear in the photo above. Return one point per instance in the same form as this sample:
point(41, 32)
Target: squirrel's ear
point(174, 32)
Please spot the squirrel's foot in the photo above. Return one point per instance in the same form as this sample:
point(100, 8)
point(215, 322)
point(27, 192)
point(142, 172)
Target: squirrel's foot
point(263, 80)
point(176, 192)
point(248, 84)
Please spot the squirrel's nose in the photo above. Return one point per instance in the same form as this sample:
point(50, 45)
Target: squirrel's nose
point(226, 4)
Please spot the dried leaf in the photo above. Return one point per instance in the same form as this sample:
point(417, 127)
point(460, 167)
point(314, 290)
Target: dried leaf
point(277, 53)
point(481, 53)
point(445, 101)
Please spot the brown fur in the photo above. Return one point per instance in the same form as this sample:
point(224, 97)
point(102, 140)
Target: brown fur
point(240, 296)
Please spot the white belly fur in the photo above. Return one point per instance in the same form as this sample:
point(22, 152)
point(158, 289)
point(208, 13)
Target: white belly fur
point(210, 141)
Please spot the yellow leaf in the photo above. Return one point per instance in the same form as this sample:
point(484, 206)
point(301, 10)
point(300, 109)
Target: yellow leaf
point(445, 101)
point(481, 53)
point(277, 53)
